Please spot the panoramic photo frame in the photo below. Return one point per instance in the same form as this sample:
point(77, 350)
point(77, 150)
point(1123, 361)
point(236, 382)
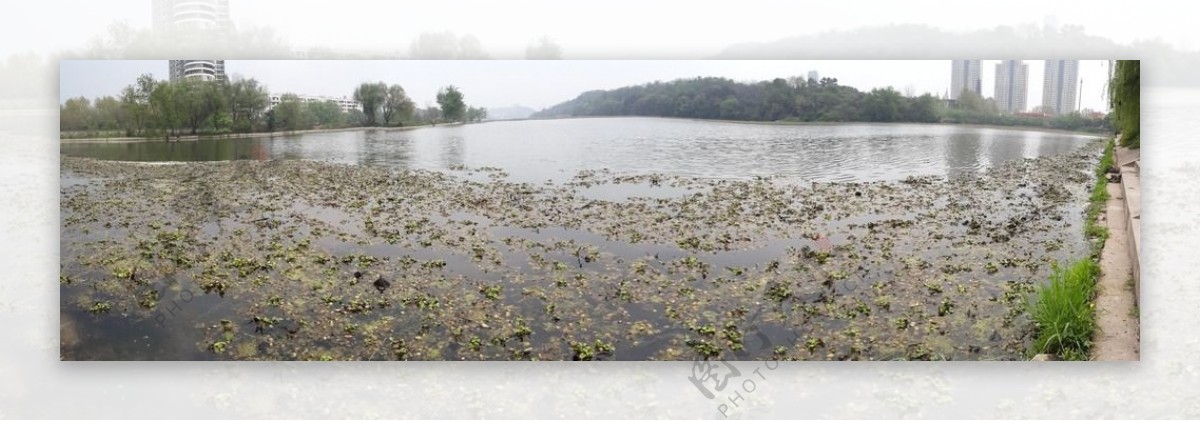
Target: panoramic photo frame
point(621, 210)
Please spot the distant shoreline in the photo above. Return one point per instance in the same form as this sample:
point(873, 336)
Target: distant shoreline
point(351, 129)
point(835, 123)
point(193, 138)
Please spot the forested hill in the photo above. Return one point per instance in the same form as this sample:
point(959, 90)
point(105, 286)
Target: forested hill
point(795, 99)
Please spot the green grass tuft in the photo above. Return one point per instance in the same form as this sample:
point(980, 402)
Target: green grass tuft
point(1064, 314)
point(1097, 201)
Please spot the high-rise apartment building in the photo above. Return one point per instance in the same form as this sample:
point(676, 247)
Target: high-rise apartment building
point(1012, 86)
point(188, 18)
point(198, 69)
point(813, 76)
point(965, 75)
point(1061, 86)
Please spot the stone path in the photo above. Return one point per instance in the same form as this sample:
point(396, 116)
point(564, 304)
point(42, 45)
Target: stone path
point(1118, 337)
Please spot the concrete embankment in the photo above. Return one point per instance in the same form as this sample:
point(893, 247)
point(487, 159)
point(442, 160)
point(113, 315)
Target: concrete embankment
point(1129, 162)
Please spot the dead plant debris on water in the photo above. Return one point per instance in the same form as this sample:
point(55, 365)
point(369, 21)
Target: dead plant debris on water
point(299, 260)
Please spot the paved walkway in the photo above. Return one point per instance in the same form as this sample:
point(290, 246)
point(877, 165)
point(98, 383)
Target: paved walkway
point(1118, 338)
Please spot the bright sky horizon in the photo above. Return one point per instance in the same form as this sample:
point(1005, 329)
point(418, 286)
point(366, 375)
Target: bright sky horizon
point(540, 84)
point(582, 27)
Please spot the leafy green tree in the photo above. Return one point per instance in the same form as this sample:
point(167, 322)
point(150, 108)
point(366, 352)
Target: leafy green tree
point(247, 100)
point(883, 105)
point(372, 97)
point(450, 99)
point(397, 105)
point(110, 115)
point(779, 101)
point(972, 102)
point(476, 113)
point(355, 117)
point(731, 109)
point(135, 99)
point(430, 114)
point(325, 114)
point(1124, 91)
point(165, 108)
point(290, 114)
point(923, 109)
point(198, 101)
point(74, 114)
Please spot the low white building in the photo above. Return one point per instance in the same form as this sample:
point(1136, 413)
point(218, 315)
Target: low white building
point(346, 104)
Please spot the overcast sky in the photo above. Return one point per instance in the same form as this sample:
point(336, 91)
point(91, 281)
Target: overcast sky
point(540, 84)
point(698, 28)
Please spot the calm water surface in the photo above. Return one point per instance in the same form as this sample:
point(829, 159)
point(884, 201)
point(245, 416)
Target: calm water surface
point(540, 150)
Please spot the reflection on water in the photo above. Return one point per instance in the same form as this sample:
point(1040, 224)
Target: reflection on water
point(539, 150)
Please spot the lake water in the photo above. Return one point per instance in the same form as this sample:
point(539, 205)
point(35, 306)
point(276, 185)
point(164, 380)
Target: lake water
point(925, 271)
point(540, 150)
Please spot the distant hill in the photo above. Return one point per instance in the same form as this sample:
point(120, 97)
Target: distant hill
point(796, 100)
point(720, 98)
point(1171, 67)
point(510, 112)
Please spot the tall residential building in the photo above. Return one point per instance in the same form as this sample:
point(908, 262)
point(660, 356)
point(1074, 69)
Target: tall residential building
point(965, 75)
point(192, 18)
point(1061, 86)
point(198, 69)
point(1012, 86)
point(813, 76)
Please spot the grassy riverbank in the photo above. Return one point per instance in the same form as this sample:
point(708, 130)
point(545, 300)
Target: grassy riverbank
point(1064, 312)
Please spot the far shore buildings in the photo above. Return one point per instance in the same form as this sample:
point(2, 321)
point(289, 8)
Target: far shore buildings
point(213, 70)
point(1012, 86)
point(191, 18)
point(965, 74)
point(1061, 86)
point(346, 104)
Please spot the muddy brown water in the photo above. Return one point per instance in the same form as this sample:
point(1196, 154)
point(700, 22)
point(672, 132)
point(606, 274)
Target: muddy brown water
point(255, 260)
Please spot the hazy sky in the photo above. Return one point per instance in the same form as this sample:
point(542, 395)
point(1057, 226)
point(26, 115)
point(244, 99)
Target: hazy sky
point(540, 84)
point(609, 28)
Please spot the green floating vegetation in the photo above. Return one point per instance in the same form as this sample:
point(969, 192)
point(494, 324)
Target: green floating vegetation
point(1064, 313)
point(302, 289)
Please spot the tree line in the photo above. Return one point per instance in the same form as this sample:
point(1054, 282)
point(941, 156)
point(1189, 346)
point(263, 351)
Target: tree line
point(797, 99)
point(1125, 96)
point(161, 108)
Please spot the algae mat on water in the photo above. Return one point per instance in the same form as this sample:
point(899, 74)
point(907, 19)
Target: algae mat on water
point(296, 260)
